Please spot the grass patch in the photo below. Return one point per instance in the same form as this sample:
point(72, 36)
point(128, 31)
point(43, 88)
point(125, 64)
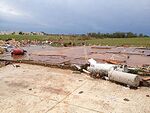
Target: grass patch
point(145, 42)
point(80, 40)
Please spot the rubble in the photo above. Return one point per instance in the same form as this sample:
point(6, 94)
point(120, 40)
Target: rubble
point(126, 53)
point(125, 99)
point(4, 63)
point(2, 43)
point(115, 73)
point(113, 61)
point(7, 47)
point(146, 78)
point(75, 58)
point(2, 50)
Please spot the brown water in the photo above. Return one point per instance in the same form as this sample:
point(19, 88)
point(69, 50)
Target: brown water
point(79, 55)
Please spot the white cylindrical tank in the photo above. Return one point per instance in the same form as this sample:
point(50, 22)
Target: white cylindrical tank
point(101, 69)
point(96, 70)
point(100, 66)
point(125, 78)
point(106, 67)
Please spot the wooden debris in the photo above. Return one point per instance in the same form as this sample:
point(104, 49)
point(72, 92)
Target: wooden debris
point(86, 71)
point(125, 53)
point(113, 61)
point(146, 78)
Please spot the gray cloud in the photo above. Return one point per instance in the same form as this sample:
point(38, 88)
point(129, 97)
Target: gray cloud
point(75, 16)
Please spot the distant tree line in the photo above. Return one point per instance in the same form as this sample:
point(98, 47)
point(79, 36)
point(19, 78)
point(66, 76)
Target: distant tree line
point(116, 35)
point(92, 34)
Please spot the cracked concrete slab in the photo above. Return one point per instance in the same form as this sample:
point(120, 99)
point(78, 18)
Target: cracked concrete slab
point(24, 103)
point(42, 82)
point(38, 89)
point(105, 96)
point(66, 108)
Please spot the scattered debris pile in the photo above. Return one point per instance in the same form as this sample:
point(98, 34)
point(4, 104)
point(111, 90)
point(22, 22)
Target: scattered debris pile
point(116, 73)
point(115, 69)
point(2, 50)
point(4, 63)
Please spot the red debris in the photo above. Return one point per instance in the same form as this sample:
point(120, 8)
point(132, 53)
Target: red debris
point(18, 51)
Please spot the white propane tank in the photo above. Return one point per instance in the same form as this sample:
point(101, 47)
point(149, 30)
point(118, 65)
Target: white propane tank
point(96, 70)
point(100, 66)
point(125, 78)
point(106, 67)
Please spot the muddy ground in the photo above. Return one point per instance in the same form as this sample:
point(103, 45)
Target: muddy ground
point(131, 56)
point(38, 89)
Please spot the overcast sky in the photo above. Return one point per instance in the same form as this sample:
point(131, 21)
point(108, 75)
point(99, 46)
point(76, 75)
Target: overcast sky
point(75, 16)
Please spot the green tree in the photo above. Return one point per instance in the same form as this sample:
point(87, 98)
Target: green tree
point(20, 33)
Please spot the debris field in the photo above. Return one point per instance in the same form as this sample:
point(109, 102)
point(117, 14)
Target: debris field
point(102, 79)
